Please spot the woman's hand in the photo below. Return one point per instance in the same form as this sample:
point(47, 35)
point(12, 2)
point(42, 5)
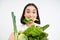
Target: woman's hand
point(11, 37)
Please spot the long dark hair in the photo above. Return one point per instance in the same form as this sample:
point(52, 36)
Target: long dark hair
point(22, 17)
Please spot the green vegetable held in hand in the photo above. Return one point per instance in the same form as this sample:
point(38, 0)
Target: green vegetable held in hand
point(14, 25)
point(33, 30)
point(36, 32)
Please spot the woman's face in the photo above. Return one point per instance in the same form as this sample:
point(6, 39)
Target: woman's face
point(30, 12)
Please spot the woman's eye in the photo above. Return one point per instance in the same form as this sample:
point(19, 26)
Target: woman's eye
point(33, 12)
point(28, 12)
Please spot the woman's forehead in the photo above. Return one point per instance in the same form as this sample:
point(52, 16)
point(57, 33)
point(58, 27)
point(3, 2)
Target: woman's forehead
point(30, 8)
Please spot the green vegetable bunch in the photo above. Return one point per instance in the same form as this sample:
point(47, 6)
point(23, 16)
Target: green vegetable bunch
point(36, 32)
point(32, 33)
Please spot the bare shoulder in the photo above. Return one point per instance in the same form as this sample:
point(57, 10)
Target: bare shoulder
point(11, 37)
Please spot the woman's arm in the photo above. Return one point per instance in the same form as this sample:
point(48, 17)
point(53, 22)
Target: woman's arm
point(11, 37)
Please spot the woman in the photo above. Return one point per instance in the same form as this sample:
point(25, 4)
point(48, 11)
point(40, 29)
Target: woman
point(30, 11)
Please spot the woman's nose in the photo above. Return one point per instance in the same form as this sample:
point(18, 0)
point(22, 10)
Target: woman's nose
point(31, 14)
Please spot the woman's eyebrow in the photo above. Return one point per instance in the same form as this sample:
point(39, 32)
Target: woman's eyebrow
point(27, 9)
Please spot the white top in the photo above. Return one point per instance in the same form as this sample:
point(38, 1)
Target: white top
point(24, 27)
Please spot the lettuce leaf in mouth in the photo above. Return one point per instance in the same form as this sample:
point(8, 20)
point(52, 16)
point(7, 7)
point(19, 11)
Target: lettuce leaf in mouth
point(27, 20)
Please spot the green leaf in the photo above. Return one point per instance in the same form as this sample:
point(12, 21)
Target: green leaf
point(45, 27)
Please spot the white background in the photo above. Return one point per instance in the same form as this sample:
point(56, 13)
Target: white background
point(49, 11)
